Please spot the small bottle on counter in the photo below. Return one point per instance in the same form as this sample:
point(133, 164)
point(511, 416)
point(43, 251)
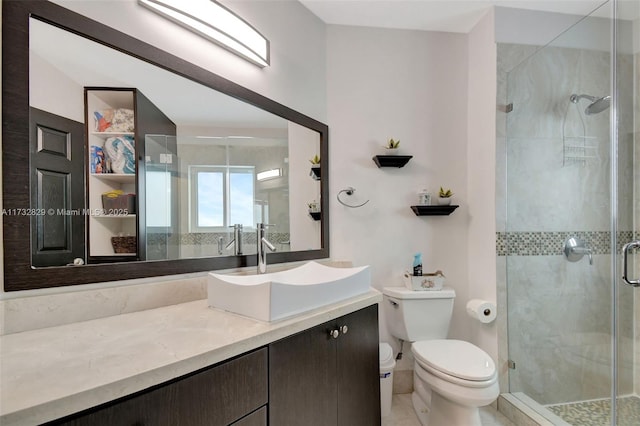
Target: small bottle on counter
point(417, 265)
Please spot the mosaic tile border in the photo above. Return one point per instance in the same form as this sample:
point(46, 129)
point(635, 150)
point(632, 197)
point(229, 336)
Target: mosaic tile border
point(210, 238)
point(552, 243)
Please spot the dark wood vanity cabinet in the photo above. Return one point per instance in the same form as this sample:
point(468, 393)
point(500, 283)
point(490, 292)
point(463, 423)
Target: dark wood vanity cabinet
point(327, 375)
point(233, 392)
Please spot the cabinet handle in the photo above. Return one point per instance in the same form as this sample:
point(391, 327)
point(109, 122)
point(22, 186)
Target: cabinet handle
point(334, 333)
point(344, 329)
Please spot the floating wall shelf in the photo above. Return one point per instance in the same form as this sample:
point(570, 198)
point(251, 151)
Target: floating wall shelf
point(392, 160)
point(315, 215)
point(433, 210)
point(315, 173)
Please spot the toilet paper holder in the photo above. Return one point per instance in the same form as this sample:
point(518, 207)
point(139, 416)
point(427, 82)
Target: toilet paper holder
point(481, 310)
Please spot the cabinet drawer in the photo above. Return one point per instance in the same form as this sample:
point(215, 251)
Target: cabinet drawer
point(215, 396)
point(257, 418)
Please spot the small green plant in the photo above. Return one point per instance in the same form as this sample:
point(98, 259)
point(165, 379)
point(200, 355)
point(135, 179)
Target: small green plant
point(315, 160)
point(445, 193)
point(392, 144)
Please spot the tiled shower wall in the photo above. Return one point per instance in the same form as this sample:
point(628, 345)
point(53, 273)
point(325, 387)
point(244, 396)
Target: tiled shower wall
point(208, 244)
point(559, 312)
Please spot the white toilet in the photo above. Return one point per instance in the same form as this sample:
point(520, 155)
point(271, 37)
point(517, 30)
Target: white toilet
point(452, 378)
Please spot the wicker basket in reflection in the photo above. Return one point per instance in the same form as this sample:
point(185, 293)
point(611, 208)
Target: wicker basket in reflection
point(124, 244)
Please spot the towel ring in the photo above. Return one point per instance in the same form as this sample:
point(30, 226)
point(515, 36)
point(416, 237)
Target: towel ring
point(349, 191)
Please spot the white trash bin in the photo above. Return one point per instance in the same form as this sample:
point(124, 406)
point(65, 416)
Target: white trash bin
point(387, 364)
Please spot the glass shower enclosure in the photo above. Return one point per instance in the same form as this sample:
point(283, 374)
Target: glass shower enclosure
point(569, 206)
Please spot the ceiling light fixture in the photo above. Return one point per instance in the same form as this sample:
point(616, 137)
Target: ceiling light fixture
point(211, 20)
point(269, 174)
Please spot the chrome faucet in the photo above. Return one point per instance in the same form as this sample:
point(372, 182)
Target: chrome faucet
point(262, 242)
point(575, 249)
point(581, 251)
point(237, 239)
point(220, 245)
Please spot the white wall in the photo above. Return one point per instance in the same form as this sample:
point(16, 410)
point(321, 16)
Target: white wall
point(412, 86)
point(46, 96)
point(481, 168)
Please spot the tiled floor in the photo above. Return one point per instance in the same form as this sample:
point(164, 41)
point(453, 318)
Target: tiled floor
point(402, 414)
point(598, 412)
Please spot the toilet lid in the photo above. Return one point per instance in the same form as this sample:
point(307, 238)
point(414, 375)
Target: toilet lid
point(455, 358)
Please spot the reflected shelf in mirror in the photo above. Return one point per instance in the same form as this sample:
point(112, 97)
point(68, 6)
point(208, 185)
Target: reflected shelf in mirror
point(116, 177)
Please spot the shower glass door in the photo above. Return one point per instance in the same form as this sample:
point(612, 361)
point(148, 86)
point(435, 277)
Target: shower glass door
point(569, 208)
point(625, 115)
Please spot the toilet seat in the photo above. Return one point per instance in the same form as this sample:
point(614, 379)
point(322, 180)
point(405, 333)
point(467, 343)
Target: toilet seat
point(456, 361)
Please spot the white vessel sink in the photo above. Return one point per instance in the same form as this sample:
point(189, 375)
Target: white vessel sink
point(274, 296)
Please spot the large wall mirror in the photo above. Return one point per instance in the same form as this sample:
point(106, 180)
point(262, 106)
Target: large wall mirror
point(122, 161)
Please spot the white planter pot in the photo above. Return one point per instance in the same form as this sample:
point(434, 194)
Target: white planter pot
point(390, 151)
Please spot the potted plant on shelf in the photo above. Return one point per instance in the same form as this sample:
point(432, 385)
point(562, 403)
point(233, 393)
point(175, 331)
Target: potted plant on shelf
point(315, 167)
point(392, 147)
point(444, 196)
point(391, 155)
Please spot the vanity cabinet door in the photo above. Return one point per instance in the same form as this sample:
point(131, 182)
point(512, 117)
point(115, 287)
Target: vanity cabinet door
point(302, 379)
point(218, 395)
point(358, 368)
point(318, 380)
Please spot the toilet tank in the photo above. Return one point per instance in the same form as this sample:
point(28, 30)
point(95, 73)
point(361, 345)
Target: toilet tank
point(418, 315)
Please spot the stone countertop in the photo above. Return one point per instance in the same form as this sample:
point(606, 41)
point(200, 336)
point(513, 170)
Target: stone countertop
point(49, 373)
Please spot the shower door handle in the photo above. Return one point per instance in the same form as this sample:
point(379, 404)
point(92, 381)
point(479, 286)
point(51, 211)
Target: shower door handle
point(625, 262)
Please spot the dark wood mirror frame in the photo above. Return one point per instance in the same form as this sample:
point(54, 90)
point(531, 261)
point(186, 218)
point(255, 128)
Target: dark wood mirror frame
point(18, 273)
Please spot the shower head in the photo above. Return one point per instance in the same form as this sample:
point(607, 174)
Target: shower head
point(597, 104)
